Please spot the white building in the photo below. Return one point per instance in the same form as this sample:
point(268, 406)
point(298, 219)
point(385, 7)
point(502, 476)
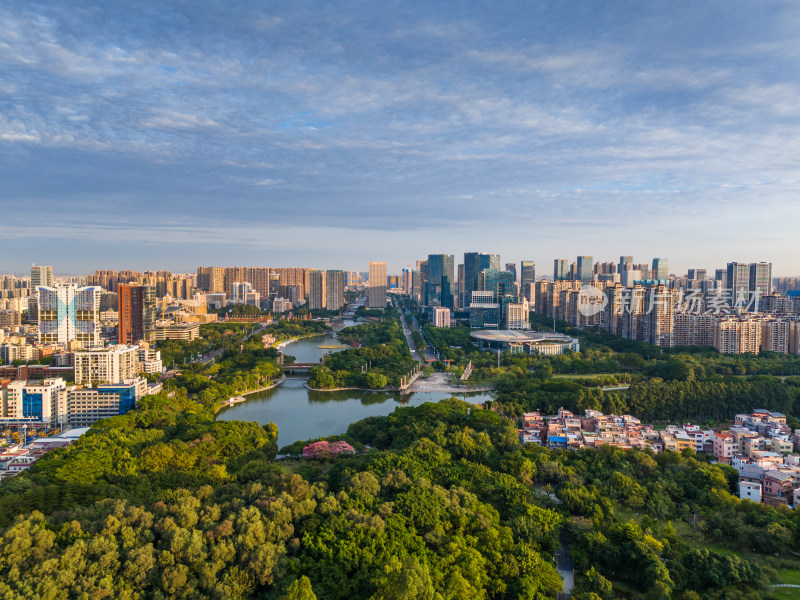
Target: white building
point(11, 352)
point(280, 305)
point(107, 365)
point(85, 406)
point(68, 312)
point(750, 490)
point(440, 316)
point(150, 361)
point(518, 315)
point(36, 400)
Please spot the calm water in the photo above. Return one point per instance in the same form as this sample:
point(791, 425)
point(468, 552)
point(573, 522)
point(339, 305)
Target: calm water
point(301, 414)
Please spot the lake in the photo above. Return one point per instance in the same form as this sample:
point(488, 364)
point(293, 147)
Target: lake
point(302, 414)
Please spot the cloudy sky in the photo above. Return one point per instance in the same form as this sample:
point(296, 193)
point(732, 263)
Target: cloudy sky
point(329, 134)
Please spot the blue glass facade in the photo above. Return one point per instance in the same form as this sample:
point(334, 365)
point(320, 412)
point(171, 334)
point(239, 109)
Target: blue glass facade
point(127, 395)
point(31, 405)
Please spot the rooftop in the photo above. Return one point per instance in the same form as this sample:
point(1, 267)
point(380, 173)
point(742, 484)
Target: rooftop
point(519, 336)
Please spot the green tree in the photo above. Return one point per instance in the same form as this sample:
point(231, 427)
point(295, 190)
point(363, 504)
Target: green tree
point(299, 590)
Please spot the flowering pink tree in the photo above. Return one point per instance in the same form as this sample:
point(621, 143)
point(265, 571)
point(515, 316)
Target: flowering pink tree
point(325, 449)
point(317, 450)
point(342, 448)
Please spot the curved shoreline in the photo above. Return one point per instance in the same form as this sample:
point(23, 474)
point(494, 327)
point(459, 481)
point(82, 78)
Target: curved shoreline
point(244, 394)
point(398, 390)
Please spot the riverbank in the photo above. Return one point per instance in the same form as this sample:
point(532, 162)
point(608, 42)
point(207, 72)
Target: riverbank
point(242, 397)
point(263, 389)
point(410, 390)
point(281, 345)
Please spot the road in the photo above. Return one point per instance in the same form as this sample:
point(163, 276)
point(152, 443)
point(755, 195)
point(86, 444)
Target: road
point(407, 332)
point(565, 567)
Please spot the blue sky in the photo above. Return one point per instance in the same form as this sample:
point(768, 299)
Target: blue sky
point(328, 134)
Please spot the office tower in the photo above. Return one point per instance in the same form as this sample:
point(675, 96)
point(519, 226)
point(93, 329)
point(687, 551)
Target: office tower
point(460, 286)
point(39, 276)
point(697, 274)
point(560, 269)
point(317, 289)
point(137, 313)
point(584, 268)
point(500, 283)
point(484, 311)
point(405, 281)
point(334, 290)
point(660, 270)
point(67, 312)
point(625, 263)
point(629, 276)
point(721, 278)
point(107, 365)
point(738, 280)
point(439, 286)
point(377, 284)
point(416, 285)
point(512, 268)
point(474, 264)
point(527, 274)
point(274, 285)
point(761, 278)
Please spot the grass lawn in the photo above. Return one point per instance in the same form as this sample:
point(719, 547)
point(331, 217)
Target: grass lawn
point(782, 594)
point(584, 375)
point(789, 576)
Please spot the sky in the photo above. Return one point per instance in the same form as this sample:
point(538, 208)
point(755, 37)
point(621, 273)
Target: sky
point(167, 135)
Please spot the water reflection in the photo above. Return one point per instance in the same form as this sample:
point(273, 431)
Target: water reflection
point(301, 414)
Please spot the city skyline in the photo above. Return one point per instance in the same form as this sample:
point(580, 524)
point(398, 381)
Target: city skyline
point(317, 134)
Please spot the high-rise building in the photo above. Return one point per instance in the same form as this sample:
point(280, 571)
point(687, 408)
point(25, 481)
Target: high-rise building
point(625, 263)
point(334, 289)
point(440, 316)
point(474, 264)
point(405, 280)
point(67, 313)
point(439, 287)
point(560, 269)
point(500, 283)
point(377, 284)
point(585, 268)
point(39, 276)
point(107, 365)
point(416, 285)
point(738, 280)
point(527, 277)
point(761, 278)
point(512, 268)
point(460, 286)
point(737, 334)
point(317, 289)
point(697, 275)
point(660, 270)
point(137, 313)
